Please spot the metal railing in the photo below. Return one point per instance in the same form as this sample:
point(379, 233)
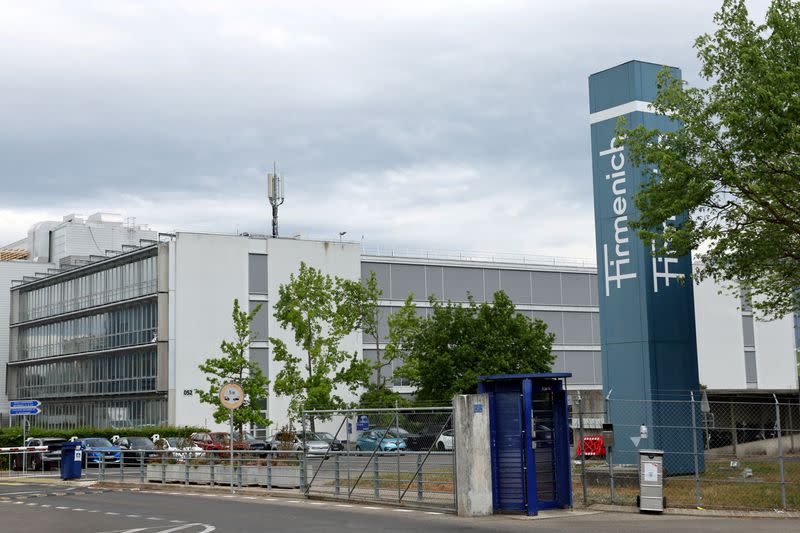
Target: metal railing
point(717, 454)
point(401, 456)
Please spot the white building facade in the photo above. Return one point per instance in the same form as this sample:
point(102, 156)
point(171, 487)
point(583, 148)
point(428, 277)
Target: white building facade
point(171, 308)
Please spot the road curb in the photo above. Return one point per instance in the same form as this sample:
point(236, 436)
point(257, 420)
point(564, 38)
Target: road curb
point(715, 513)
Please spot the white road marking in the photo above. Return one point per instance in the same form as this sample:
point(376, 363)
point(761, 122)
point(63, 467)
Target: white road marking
point(78, 509)
point(404, 510)
point(343, 505)
point(45, 505)
point(133, 515)
point(373, 508)
point(292, 501)
point(154, 518)
point(62, 508)
point(208, 529)
point(23, 492)
point(432, 512)
point(178, 521)
point(249, 497)
point(112, 513)
point(33, 503)
point(92, 511)
point(316, 503)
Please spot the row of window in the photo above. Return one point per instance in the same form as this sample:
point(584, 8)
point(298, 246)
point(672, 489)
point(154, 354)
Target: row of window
point(104, 374)
point(580, 328)
point(118, 414)
point(524, 287)
point(127, 326)
point(116, 284)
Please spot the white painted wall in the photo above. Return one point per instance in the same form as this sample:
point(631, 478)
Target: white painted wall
point(720, 342)
point(209, 272)
point(284, 257)
point(9, 271)
point(775, 354)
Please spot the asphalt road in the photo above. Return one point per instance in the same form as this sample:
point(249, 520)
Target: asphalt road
point(50, 508)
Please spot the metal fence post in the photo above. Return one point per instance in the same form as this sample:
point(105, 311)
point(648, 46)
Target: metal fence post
point(780, 450)
point(102, 467)
point(694, 451)
point(336, 483)
point(163, 468)
point(239, 473)
point(141, 467)
point(186, 473)
point(419, 476)
point(609, 452)
point(269, 470)
point(211, 464)
point(303, 471)
point(376, 479)
point(397, 448)
point(582, 444)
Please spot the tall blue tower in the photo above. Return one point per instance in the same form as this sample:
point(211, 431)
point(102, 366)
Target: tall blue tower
point(647, 319)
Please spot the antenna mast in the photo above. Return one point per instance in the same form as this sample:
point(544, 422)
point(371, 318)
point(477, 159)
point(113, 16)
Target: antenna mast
point(275, 194)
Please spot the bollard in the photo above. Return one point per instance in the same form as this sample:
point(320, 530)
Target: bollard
point(186, 473)
point(163, 469)
point(583, 452)
point(239, 474)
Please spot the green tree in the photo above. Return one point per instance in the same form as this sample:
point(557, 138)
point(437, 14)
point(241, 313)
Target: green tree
point(447, 351)
point(234, 366)
point(320, 311)
point(379, 392)
point(734, 165)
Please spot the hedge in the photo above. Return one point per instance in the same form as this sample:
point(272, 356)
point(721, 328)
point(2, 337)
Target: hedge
point(13, 436)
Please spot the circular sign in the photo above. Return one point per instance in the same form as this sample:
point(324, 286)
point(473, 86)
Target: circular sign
point(231, 395)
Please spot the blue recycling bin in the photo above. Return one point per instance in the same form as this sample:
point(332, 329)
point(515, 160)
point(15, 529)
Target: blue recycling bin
point(71, 460)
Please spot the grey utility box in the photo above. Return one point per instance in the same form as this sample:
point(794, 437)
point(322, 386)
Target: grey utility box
point(651, 480)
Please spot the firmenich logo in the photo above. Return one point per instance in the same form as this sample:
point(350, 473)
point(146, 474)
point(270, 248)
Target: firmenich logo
point(614, 267)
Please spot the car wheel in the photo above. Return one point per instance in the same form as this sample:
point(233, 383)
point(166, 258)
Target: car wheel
point(440, 446)
point(358, 448)
point(36, 463)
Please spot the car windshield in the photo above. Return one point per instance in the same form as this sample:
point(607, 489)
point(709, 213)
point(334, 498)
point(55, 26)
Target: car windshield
point(322, 435)
point(142, 443)
point(98, 443)
point(175, 442)
point(390, 434)
point(244, 436)
point(220, 437)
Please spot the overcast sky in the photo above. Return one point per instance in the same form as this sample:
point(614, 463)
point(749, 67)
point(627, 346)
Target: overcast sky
point(450, 125)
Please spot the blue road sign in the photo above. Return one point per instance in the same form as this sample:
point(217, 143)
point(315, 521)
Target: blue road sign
point(24, 411)
point(362, 424)
point(349, 428)
point(25, 403)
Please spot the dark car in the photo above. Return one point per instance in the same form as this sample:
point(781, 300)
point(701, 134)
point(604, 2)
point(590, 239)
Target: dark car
point(43, 460)
point(137, 449)
point(205, 441)
point(252, 442)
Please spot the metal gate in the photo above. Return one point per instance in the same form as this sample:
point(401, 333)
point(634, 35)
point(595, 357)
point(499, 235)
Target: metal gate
point(402, 456)
point(530, 442)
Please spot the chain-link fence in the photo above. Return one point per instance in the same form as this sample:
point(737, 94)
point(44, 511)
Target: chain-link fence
point(717, 454)
point(402, 455)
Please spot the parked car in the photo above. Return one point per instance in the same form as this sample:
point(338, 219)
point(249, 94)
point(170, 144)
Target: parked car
point(222, 438)
point(294, 441)
point(253, 443)
point(204, 441)
point(381, 439)
point(43, 460)
point(178, 448)
point(137, 450)
point(445, 441)
point(98, 450)
point(320, 442)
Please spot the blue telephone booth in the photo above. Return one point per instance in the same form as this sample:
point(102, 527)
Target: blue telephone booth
point(529, 428)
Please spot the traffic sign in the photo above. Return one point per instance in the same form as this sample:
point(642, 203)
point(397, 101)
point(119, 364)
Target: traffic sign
point(362, 423)
point(25, 403)
point(231, 395)
point(24, 411)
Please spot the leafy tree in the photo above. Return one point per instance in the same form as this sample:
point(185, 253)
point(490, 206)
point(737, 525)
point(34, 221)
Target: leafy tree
point(379, 393)
point(321, 311)
point(448, 350)
point(734, 165)
point(234, 366)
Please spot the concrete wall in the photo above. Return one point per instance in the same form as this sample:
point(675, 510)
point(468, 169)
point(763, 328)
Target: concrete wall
point(775, 343)
point(284, 258)
point(720, 341)
point(209, 272)
point(473, 455)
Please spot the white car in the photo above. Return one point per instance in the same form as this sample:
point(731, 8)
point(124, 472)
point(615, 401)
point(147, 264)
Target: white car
point(445, 441)
point(180, 448)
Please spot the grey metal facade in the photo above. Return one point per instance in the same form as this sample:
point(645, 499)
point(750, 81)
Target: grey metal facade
point(85, 343)
point(564, 297)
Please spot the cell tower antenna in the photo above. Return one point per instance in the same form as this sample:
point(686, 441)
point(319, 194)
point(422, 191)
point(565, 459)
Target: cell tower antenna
point(275, 194)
